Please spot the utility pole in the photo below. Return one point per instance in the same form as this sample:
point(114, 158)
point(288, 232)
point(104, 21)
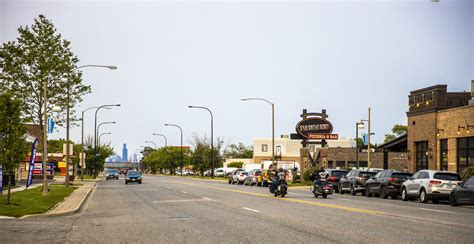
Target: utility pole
point(368, 147)
point(45, 139)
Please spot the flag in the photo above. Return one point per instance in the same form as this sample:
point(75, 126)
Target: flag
point(32, 163)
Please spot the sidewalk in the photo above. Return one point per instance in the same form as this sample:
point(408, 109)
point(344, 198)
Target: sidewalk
point(74, 202)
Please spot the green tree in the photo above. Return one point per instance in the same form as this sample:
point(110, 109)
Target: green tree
point(201, 157)
point(397, 130)
point(13, 147)
point(95, 162)
point(41, 57)
point(235, 165)
point(238, 151)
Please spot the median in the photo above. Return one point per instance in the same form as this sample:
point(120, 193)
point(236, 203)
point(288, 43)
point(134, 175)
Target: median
point(31, 201)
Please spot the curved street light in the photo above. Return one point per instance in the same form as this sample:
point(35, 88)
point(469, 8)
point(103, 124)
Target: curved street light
point(103, 134)
point(67, 117)
point(166, 140)
point(273, 125)
point(151, 142)
point(180, 129)
point(95, 127)
point(212, 137)
point(103, 123)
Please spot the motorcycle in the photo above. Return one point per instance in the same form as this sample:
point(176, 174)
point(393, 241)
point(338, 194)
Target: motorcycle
point(323, 189)
point(281, 188)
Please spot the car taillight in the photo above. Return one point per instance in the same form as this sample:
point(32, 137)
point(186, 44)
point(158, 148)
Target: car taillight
point(435, 182)
point(392, 179)
point(332, 178)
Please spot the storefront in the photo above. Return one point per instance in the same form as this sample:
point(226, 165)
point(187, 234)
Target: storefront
point(440, 129)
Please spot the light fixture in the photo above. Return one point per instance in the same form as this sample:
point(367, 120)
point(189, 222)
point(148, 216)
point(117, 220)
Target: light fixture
point(439, 131)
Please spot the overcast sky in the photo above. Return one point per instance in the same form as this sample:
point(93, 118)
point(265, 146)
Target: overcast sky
point(343, 57)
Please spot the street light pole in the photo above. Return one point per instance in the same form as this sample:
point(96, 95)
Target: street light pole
point(166, 140)
point(45, 139)
point(273, 126)
point(103, 134)
point(82, 142)
point(358, 124)
point(95, 130)
point(212, 138)
point(151, 142)
point(67, 113)
point(181, 130)
point(103, 123)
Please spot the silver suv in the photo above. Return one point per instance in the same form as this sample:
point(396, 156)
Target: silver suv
point(430, 185)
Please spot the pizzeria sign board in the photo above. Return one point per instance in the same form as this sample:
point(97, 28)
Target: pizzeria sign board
point(316, 128)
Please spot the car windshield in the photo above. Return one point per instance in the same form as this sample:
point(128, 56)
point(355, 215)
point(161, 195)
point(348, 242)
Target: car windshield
point(133, 173)
point(401, 175)
point(447, 176)
point(339, 173)
point(244, 173)
point(367, 174)
point(470, 182)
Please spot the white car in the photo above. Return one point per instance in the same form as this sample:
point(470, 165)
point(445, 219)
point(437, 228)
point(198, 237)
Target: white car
point(430, 185)
point(219, 173)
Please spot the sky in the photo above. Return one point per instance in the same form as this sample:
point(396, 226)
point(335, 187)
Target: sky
point(342, 56)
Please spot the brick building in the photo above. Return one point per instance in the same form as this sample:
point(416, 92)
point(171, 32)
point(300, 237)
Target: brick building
point(440, 129)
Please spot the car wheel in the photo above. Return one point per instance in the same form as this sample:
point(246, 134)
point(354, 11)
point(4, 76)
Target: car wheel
point(384, 193)
point(452, 200)
point(404, 194)
point(353, 192)
point(139, 182)
point(367, 193)
point(230, 182)
point(336, 190)
point(423, 197)
point(126, 182)
point(341, 191)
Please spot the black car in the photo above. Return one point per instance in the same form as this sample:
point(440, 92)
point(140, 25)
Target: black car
point(334, 176)
point(111, 174)
point(463, 194)
point(354, 181)
point(386, 183)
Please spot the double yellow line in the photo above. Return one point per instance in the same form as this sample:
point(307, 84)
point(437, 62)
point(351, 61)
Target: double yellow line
point(319, 204)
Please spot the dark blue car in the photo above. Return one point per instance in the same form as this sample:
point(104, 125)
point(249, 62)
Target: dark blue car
point(133, 176)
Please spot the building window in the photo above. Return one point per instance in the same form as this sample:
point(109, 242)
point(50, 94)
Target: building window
point(278, 151)
point(352, 164)
point(341, 164)
point(443, 154)
point(264, 148)
point(363, 164)
point(421, 155)
point(465, 153)
point(330, 164)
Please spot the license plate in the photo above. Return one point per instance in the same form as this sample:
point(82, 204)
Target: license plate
point(133, 179)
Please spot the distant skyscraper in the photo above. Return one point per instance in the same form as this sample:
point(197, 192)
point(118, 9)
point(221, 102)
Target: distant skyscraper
point(124, 152)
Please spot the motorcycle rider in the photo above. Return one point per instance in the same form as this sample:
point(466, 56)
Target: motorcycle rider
point(279, 175)
point(317, 176)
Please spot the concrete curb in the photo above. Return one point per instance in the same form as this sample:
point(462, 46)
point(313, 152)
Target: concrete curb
point(74, 211)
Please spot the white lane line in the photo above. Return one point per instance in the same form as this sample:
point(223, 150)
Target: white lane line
point(436, 210)
point(251, 209)
point(147, 190)
point(169, 188)
point(184, 192)
point(343, 199)
point(204, 199)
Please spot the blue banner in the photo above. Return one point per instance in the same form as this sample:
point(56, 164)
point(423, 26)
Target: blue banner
point(1, 179)
point(50, 125)
point(32, 163)
point(366, 139)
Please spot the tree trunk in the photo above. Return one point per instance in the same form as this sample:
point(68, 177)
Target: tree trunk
point(9, 187)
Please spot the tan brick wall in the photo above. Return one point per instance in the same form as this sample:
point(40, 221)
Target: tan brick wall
point(422, 128)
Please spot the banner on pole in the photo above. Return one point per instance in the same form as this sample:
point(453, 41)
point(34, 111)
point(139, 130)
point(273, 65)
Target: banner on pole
point(50, 125)
point(1, 179)
point(31, 164)
point(366, 139)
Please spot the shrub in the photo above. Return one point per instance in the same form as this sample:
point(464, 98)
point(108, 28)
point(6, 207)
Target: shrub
point(235, 165)
point(467, 173)
point(307, 173)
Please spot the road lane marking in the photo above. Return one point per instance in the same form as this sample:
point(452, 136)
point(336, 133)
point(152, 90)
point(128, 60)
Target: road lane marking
point(319, 204)
point(251, 209)
point(184, 192)
point(436, 210)
point(204, 199)
point(147, 190)
point(169, 188)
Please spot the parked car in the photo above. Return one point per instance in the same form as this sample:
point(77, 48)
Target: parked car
point(430, 185)
point(231, 176)
point(334, 176)
point(386, 183)
point(219, 173)
point(252, 177)
point(354, 181)
point(123, 171)
point(133, 176)
point(111, 174)
point(463, 194)
point(239, 177)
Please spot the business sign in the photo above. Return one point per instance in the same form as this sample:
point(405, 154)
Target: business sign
point(38, 169)
point(316, 128)
point(32, 163)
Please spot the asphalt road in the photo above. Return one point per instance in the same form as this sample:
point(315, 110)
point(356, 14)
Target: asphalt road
point(179, 210)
